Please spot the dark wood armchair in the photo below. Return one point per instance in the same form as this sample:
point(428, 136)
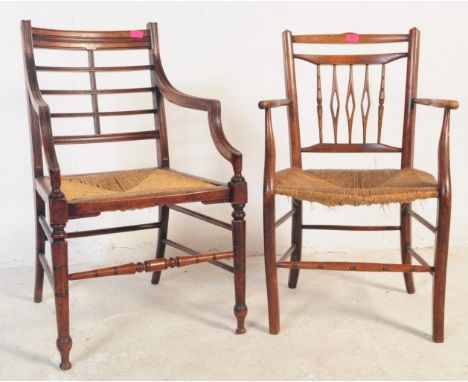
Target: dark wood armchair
point(356, 187)
point(86, 195)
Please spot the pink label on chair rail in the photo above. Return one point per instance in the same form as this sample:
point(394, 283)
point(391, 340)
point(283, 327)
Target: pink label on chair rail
point(351, 37)
point(137, 34)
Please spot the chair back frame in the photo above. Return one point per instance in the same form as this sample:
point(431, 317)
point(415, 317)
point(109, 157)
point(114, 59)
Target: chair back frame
point(412, 56)
point(90, 41)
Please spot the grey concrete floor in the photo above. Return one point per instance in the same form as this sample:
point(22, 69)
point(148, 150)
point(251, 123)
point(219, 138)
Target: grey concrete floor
point(335, 325)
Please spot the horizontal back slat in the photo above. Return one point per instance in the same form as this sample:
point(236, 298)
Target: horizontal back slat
point(351, 148)
point(103, 91)
point(103, 113)
point(102, 138)
point(349, 38)
point(365, 59)
point(79, 45)
point(95, 69)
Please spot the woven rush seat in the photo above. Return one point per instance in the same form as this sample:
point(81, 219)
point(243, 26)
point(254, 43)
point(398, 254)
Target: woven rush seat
point(130, 183)
point(356, 187)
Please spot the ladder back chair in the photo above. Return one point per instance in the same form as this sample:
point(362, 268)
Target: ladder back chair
point(355, 187)
point(88, 195)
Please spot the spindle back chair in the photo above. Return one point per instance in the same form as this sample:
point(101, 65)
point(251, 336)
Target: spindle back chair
point(87, 195)
point(355, 187)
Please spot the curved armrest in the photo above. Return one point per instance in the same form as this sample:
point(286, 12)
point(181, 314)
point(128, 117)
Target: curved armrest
point(442, 103)
point(37, 102)
point(42, 110)
point(35, 96)
point(213, 107)
point(269, 104)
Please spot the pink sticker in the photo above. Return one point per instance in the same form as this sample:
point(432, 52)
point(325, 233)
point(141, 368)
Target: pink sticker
point(137, 34)
point(351, 37)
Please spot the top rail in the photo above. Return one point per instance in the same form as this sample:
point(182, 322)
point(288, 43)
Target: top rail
point(90, 40)
point(87, 34)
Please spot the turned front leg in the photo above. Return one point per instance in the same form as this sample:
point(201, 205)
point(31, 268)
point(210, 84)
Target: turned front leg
point(238, 236)
point(162, 235)
point(60, 268)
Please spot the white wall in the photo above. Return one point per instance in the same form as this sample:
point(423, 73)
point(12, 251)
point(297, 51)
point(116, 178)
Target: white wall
point(232, 52)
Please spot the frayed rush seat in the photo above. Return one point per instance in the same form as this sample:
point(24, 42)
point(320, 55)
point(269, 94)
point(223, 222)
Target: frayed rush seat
point(131, 183)
point(356, 187)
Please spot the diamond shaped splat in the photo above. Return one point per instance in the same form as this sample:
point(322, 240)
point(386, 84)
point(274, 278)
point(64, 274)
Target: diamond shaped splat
point(365, 98)
point(335, 112)
point(335, 104)
point(350, 106)
point(365, 102)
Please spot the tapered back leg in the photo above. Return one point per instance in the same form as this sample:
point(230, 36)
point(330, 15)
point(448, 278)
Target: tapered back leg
point(296, 240)
point(40, 250)
point(405, 240)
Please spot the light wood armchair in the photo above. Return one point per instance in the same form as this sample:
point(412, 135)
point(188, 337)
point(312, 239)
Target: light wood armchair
point(355, 187)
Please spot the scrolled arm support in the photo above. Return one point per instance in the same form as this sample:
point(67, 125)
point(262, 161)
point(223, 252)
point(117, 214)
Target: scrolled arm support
point(212, 107)
point(444, 177)
point(270, 148)
point(49, 148)
point(41, 108)
point(270, 155)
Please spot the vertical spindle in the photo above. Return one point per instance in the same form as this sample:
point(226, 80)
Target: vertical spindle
point(319, 104)
point(381, 103)
point(365, 97)
point(335, 114)
point(350, 96)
